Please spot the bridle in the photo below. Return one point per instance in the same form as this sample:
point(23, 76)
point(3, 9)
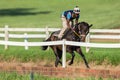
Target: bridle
point(79, 35)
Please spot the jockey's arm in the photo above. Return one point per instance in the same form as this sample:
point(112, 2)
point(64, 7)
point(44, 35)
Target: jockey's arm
point(68, 24)
point(76, 21)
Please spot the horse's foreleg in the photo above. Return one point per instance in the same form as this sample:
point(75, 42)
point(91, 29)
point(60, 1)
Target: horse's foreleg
point(73, 55)
point(56, 54)
point(85, 61)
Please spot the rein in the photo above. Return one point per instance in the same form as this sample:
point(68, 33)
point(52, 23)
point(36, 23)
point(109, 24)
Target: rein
point(75, 32)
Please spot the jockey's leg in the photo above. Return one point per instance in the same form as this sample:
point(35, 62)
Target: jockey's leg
point(64, 22)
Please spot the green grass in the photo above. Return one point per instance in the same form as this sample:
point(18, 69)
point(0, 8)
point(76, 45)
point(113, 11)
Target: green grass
point(35, 54)
point(41, 13)
point(15, 76)
point(19, 54)
point(107, 56)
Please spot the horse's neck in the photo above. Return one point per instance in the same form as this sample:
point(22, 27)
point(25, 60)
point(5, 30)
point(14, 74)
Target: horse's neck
point(67, 32)
point(75, 34)
point(71, 36)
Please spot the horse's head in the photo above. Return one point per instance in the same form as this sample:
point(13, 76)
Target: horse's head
point(82, 28)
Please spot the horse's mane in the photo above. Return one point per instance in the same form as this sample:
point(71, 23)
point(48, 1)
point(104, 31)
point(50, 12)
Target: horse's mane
point(82, 23)
point(69, 32)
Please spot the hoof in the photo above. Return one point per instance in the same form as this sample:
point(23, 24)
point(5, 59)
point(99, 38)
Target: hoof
point(70, 63)
point(88, 67)
point(55, 65)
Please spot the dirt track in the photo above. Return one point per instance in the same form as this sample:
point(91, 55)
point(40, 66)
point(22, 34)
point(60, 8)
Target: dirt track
point(70, 71)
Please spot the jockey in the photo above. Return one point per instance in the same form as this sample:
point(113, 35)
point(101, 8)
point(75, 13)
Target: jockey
point(67, 19)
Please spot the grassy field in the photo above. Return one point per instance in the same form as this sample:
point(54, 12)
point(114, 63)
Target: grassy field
point(35, 54)
point(41, 13)
point(29, 13)
point(15, 76)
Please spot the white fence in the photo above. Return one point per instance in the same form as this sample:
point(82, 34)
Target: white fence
point(6, 42)
point(6, 35)
point(109, 34)
point(63, 43)
point(112, 31)
point(47, 31)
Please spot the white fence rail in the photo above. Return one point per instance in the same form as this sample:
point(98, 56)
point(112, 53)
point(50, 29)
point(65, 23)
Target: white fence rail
point(7, 35)
point(105, 30)
point(112, 31)
point(28, 29)
point(47, 31)
point(115, 35)
point(24, 35)
point(105, 36)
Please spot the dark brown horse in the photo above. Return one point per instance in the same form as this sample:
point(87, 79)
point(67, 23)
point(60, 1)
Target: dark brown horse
point(77, 33)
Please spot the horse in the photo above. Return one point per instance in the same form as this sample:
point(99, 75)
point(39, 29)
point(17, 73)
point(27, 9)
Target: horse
point(77, 33)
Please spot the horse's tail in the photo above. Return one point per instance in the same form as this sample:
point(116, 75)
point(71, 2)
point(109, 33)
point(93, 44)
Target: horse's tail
point(49, 39)
point(44, 47)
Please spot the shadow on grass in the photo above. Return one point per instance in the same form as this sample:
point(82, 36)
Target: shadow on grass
point(20, 12)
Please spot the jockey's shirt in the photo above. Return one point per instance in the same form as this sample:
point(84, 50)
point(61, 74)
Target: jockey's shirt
point(68, 15)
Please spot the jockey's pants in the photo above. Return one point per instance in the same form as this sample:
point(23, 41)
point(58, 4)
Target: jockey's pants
point(64, 24)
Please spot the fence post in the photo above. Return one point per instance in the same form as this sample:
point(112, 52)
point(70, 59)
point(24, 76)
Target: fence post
point(64, 54)
point(26, 41)
point(6, 36)
point(47, 32)
point(87, 40)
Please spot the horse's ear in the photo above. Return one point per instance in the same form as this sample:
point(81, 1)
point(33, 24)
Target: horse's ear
point(90, 25)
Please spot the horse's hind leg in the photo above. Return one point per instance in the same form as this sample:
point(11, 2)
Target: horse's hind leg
point(85, 61)
point(57, 61)
point(57, 56)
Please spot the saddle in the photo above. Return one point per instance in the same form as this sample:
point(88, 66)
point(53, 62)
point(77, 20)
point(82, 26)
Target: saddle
point(64, 34)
